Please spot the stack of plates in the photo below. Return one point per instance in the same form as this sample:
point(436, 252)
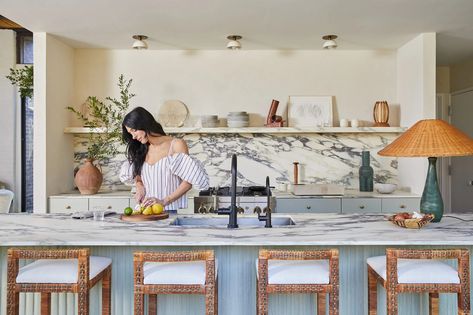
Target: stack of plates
point(238, 119)
point(209, 121)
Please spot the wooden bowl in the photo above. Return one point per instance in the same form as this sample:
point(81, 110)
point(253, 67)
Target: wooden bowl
point(412, 223)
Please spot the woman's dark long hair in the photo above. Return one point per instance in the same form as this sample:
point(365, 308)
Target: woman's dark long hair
point(139, 119)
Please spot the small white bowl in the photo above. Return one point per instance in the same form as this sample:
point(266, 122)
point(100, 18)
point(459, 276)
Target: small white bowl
point(385, 188)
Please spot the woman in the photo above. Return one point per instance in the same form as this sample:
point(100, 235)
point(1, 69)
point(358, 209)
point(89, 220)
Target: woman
point(160, 165)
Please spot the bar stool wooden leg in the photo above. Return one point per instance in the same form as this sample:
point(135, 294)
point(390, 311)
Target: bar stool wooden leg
point(433, 303)
point(152, 304)
point(13, 304)
point(83, 301)
point(463, 303)
point(333, 302)
point(262, 298)
point(209, 300)
point(107, 292)
point(321, 303)
point(45, 303)
point(391, 299)
point(13, 297)
point(372, 293)
point(139, 304)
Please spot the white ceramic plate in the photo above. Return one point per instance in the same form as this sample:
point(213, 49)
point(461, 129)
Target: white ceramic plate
point(173, 113)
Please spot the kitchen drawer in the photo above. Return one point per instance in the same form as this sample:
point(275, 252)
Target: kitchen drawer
point(358, 205)
point(68, 205)
point(307, 205)
point(391, 205)
point(115, 204)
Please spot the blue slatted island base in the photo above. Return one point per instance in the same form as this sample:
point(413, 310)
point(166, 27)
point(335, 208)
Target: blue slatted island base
point(356, 236)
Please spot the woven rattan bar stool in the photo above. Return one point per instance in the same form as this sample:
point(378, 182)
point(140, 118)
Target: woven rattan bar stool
point(306, 271)
point(57, 271)
point(419, 271)
point(175, 273)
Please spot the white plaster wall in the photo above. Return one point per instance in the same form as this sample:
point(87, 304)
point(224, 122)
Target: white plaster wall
point(216, 82)
point(54, 87)
point(416, 68)
point(8, 105)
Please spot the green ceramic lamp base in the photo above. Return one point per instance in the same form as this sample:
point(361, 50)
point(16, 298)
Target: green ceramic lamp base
point(431, 201)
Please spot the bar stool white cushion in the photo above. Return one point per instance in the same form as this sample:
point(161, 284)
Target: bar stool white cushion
point(186, 272)
point(59, 270)
point(297, 271)
point(417, 270)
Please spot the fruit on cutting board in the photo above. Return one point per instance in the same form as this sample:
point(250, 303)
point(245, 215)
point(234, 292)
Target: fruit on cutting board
point(147, 211)
point(128, 211)
point(157, 208)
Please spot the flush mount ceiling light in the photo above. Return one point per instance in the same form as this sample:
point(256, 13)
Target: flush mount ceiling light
point(139, 42)
point(234, 43)
point(330, 42)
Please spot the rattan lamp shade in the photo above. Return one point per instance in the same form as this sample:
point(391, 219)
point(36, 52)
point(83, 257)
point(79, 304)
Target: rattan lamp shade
point(430, 138)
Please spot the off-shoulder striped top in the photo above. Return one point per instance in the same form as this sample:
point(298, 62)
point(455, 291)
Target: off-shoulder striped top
point(164, 177)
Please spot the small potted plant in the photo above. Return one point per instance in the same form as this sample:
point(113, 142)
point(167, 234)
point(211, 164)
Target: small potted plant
point(104, 119)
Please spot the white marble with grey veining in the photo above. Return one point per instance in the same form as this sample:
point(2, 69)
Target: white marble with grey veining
point(323, 158)
point(310, 229)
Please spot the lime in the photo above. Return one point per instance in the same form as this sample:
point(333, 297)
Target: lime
point(128, 211)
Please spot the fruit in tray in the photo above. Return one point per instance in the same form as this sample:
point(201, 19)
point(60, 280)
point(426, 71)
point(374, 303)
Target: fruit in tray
point(406, 215)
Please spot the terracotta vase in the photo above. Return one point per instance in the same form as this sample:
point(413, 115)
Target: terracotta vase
point(381, 114)
point(89, 178)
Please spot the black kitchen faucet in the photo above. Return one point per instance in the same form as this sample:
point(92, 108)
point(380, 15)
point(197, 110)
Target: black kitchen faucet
point(232, 210)
point(267, 216)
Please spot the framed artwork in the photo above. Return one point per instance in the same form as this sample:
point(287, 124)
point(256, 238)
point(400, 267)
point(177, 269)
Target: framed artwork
point(310, 111)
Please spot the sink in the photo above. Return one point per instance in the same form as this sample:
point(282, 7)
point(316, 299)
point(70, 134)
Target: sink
point(223, 221)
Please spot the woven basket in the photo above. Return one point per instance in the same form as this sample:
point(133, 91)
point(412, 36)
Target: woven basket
point(412, 223)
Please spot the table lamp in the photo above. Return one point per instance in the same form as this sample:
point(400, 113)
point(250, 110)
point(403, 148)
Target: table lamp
point(430, 138)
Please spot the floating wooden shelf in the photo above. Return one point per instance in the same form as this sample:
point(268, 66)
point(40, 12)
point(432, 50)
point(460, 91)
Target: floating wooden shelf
point(267, 130)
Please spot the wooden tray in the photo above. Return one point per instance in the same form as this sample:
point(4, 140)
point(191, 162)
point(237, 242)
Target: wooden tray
point(412, 223)
point(142, 217)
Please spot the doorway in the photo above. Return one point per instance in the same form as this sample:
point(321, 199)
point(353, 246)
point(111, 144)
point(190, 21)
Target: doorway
point(462, 166)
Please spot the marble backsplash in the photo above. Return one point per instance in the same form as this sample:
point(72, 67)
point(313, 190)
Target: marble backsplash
point(323, 158)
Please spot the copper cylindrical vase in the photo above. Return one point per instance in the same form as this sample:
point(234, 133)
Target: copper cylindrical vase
point(381, 114)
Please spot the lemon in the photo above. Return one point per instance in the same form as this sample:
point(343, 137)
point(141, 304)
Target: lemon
point(157, 208)
point(128, 211)
point(147, 211)
point(135, 212)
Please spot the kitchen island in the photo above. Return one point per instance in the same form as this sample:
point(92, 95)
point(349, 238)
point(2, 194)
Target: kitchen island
point(357, 236)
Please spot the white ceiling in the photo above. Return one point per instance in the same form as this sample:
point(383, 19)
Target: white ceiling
point(264, 24)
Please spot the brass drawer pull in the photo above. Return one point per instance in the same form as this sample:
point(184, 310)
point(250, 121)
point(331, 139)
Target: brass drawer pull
point(362, 207)
point(68, 207)
point(308, 207)
point(109, 207)
point(402, 207)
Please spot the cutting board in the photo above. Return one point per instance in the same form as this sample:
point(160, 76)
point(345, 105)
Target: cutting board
point(318, 190)
point(142, 217)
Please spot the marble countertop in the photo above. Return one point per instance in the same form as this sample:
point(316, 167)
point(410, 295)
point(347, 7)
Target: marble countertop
point(310, 229)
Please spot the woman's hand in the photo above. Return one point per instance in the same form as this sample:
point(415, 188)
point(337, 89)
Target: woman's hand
point(151, 201)
point(140, 192)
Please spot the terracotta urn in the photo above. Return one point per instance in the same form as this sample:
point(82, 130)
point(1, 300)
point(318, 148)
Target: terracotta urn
point(89, 178)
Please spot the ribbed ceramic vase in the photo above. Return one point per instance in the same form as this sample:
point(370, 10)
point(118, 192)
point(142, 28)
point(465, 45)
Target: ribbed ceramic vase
point(366, 172)
point(381, 114)
point(89, 178)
